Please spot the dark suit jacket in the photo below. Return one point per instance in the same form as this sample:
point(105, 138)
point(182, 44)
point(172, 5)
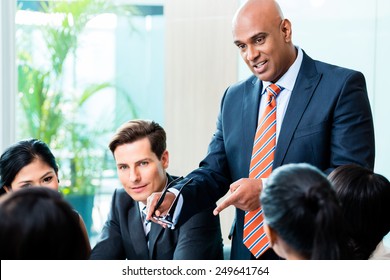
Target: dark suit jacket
point(123, 235)
point(327, 123)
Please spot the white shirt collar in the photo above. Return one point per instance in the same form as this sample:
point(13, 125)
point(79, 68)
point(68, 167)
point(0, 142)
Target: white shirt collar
point(141, 206)
point(287, 81)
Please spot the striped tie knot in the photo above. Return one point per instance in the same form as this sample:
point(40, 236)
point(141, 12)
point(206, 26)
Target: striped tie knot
point(272, 92)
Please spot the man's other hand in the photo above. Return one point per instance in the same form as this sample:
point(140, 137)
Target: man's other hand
point(162, 210)
point(244, 194)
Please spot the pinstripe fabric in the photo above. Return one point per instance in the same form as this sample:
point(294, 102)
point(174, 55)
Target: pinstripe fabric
point(261, 166)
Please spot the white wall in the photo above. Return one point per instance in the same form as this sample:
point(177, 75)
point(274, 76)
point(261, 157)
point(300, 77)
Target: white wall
point(7, 73)
point(381, 96)
point(200, 63)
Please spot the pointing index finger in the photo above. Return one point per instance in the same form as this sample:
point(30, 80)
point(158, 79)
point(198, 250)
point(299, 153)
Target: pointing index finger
point(230, 200)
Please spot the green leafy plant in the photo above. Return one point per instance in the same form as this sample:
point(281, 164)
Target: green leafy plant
point(51, 111)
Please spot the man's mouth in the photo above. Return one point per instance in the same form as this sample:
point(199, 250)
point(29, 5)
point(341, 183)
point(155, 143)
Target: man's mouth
point(138, 188)
point(260, 64)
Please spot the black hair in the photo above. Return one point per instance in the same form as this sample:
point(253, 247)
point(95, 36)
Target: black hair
point(37, 223)
point(21, 154)
point(300, 205)
point(365, 201)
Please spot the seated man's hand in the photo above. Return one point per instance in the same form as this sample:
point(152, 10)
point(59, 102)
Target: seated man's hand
point(162, 210)
point(244, 194)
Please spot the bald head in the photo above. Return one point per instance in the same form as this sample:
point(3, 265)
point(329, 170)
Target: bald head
point(263, 37)
point(268, 9)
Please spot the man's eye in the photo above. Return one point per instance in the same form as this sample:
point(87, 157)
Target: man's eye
point(259, 41)
point(26, 186)
point(122, 167)
point(241, 46)
point(143, 163)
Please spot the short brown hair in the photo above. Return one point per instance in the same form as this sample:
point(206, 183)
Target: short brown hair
point(134, 130)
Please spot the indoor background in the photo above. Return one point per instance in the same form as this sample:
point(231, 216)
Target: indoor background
point(174, 64)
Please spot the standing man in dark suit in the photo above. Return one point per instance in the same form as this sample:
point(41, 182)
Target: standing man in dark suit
point(323, 118)
point(139, 149)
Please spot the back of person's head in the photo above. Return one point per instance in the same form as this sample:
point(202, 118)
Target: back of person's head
point(21, 154)
point(134, 130)
point(37, 223)
point(365, 200)
point(300, 205)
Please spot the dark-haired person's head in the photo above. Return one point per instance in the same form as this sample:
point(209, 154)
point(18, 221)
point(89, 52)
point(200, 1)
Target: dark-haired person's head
point(365, 200)
point(302, 214)
point(37, 223)
point(28, 163)
point(134, 130)
point(139, 149)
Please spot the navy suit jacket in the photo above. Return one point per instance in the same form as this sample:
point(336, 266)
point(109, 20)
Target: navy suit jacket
point(123, 235)
point(328, 123)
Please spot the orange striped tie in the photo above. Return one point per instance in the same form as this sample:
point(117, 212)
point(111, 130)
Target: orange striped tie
point(261, 166)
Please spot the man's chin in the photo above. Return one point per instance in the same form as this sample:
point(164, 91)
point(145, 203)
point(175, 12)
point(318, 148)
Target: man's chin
point(263, 77)
point(139, 196)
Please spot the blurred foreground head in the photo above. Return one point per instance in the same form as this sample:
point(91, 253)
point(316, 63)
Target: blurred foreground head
point(37, 223)
point(302, 214)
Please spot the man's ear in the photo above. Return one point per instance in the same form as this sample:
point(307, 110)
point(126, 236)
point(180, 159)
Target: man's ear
point(7, 189)
point(285, 27)
point(271, 234)
point(165, 159)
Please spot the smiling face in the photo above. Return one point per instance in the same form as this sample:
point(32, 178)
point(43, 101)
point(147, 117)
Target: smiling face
point(264, 39)
point(37, 173)
point(140, 171)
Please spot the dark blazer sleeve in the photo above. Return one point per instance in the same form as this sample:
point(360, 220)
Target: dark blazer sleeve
point(352, 137)
point(200, 238)
point(110, 246)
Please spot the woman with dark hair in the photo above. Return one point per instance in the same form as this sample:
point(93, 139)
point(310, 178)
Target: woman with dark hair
point(37, 223)
point(302, 215)
point(26, 163)
point(30, 163)
point(365, 201)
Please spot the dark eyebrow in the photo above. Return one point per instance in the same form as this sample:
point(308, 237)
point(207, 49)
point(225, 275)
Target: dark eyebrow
point(137, 162)
point(252, 38)
point(142, 160)
point(46, 174)
point(29, 181)
point(258, 35)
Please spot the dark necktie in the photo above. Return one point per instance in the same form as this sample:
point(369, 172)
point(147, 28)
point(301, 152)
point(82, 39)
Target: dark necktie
point(147, 224)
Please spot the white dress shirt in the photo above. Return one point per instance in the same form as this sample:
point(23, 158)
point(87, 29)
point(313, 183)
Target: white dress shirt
point(287, 82)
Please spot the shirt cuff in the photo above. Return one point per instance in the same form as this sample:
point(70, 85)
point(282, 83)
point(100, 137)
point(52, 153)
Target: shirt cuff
point(178, 207)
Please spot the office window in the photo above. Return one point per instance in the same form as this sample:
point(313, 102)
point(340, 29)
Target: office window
point(85, 67)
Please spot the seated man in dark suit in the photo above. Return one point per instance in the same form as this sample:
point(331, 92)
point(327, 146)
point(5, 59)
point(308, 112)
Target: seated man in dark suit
point(139, 149)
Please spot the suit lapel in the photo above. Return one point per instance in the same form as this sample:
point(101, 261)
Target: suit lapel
point(304, 88)
point(154, 233)
point(251, 103)
point(136, 231)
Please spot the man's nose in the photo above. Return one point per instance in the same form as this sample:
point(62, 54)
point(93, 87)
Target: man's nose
point(134, 175)
point(251, 53)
